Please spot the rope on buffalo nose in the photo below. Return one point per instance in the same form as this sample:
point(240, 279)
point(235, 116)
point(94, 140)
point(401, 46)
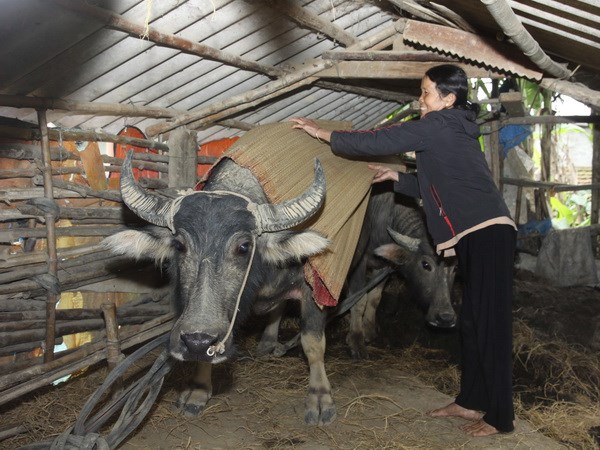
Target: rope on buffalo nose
point(219, 347)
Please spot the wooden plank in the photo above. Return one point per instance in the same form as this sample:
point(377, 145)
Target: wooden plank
point(93, 166)
point(182, 158)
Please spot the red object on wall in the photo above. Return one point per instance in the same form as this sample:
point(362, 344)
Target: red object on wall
point(213, 148)
point(122, 149)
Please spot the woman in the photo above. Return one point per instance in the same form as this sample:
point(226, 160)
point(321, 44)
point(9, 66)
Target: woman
point(466, 216)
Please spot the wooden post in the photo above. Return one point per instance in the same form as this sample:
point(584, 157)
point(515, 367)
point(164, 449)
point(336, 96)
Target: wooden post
point(113, 345)
point(495, 153)
point(183, 150)
point(595, 172)
point(518, 204)
point(50, 239)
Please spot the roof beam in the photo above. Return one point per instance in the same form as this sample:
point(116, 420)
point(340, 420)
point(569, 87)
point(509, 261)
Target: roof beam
point(421, 12)
point(385, 55)
point(117, 22)
point(394, 69)
point(312, 21)
point(577, 91)
point(380, 94)
point(100, 109)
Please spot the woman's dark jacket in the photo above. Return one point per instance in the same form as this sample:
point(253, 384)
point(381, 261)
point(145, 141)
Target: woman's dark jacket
point(452, 177)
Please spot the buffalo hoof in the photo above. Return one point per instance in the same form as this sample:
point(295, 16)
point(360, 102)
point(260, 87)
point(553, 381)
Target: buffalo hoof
point(358, 349)
point(268, 348)
point(320, 410)
point(192, 401)
point(371, 333)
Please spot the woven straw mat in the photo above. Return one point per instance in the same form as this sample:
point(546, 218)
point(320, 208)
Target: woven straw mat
point(282, 158)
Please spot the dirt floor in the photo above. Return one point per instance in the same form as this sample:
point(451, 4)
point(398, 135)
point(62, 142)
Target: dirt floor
point(259, 403)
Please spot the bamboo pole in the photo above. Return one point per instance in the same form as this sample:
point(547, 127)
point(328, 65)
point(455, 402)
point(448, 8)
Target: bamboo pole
point(43, 374)
point(37, 269)
point(36, 257)
point(50, 238)
point(17, 150)
point(97, 109)
point(11, 235)
point(63, 328)
point(91, 273)
point(549, 185)
point(56, 134)
point(22, 304)
point(126, 310)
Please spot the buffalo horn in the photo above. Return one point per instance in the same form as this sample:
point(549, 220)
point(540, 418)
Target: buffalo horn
point(290, 213)
point(148, 206)
point(406, 241)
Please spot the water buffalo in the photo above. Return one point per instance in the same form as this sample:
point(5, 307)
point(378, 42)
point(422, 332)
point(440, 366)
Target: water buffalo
point(230, 251)
point(394, 233)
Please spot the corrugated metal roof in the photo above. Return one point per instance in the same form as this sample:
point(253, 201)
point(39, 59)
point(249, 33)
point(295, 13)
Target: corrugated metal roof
point(52, 51)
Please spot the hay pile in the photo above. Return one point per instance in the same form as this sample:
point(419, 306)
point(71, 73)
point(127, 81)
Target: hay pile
point(557, 390)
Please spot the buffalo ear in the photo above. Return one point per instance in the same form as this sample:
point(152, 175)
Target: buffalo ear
point(290, 245)
point(393, 253)
point(140, 244)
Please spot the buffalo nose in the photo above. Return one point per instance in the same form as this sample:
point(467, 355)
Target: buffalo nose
point(446, 320)
point(197, 343)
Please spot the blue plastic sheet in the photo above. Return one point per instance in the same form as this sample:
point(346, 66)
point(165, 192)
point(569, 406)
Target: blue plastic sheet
point(512, 135)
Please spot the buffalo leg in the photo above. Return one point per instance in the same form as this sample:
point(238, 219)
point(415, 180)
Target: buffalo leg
point(370, 315)
point(356, 334)
point(193, 399)
point(320, 408)
point(269, 344)
point(356, 337)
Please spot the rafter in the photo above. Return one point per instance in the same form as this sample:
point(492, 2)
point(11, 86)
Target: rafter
point(312, 21)
point(252, 98)
point(117, 22)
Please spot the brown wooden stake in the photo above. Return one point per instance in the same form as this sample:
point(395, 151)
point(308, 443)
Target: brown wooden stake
point(50, 238)
point(518, 204)
point(113, 345)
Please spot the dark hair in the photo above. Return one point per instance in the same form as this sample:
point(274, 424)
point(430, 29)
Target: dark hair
point(451, 79)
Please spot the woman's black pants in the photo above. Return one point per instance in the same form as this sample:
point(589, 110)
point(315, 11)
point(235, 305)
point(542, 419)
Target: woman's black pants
point(485, 263)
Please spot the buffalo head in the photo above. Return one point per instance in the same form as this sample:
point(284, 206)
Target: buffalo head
point(222, 248)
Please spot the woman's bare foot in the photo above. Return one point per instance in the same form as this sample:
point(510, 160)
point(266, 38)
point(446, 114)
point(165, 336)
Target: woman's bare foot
point(456, 411)
point(479, 428)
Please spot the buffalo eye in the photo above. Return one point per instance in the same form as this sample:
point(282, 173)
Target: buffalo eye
point(426, 266)
point(243, 248)
point(179, 246)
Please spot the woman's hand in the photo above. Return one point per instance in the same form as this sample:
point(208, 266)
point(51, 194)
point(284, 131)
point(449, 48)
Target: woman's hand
point(311, 127)
point(383, 173)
